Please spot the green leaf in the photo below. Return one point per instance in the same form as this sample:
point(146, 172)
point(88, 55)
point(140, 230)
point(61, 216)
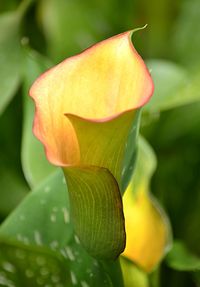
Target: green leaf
point(97, 211)
point(34, 162)
point(13, 189)
point(76, 20)
point(196, 276)
point(26, 265)
point(10, 57)
point(182, 259)
point(174, 86)
point(43, 219)
point(145, 166)
point(130, 154)
point(13, 186)
point(186, 43)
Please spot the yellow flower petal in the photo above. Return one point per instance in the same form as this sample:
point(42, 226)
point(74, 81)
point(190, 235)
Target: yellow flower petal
point(99, 84)
point(147, 227)
point(146, 230)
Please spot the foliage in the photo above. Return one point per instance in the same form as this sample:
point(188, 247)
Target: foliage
point(37, 233)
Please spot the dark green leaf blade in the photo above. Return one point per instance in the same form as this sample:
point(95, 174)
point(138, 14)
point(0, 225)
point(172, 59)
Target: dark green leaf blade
point(13, 186)
point(174, 86)
point(22, 265)
point(43, 219)
point(11, 60)
point(34, 163)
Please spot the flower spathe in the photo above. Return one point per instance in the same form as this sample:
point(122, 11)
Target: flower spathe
point(98, 85)
point(147, 226)
point(86, 107)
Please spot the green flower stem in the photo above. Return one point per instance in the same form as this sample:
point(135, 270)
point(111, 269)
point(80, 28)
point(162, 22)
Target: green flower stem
point(23, 7)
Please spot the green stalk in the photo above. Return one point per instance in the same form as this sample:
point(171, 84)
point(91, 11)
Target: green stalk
point(154, 278)
point(23, 7)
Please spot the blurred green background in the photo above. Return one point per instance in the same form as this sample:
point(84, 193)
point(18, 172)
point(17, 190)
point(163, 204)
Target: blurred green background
point(171, 47)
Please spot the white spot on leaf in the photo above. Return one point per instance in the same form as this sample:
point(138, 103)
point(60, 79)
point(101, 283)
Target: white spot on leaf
point(84, 284)
point(53, 218)
point(62, 251)
point(29, 273)
point(55, 278)
point(69, 253)
point(65, 214)
point(44, 271)
point(64, 180)
point(37, 237)
point(123, 171)
point(46, 189)
point(54, 244)
point(7, 266)
point(40, 260)
point(76, 239)
point(73, 278)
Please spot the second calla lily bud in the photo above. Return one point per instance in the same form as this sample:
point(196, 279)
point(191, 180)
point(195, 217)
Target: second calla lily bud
point(86, 107)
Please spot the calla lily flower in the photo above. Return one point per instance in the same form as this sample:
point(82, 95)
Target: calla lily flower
point(86, 108)
point(99, 84)
point(147, 226)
